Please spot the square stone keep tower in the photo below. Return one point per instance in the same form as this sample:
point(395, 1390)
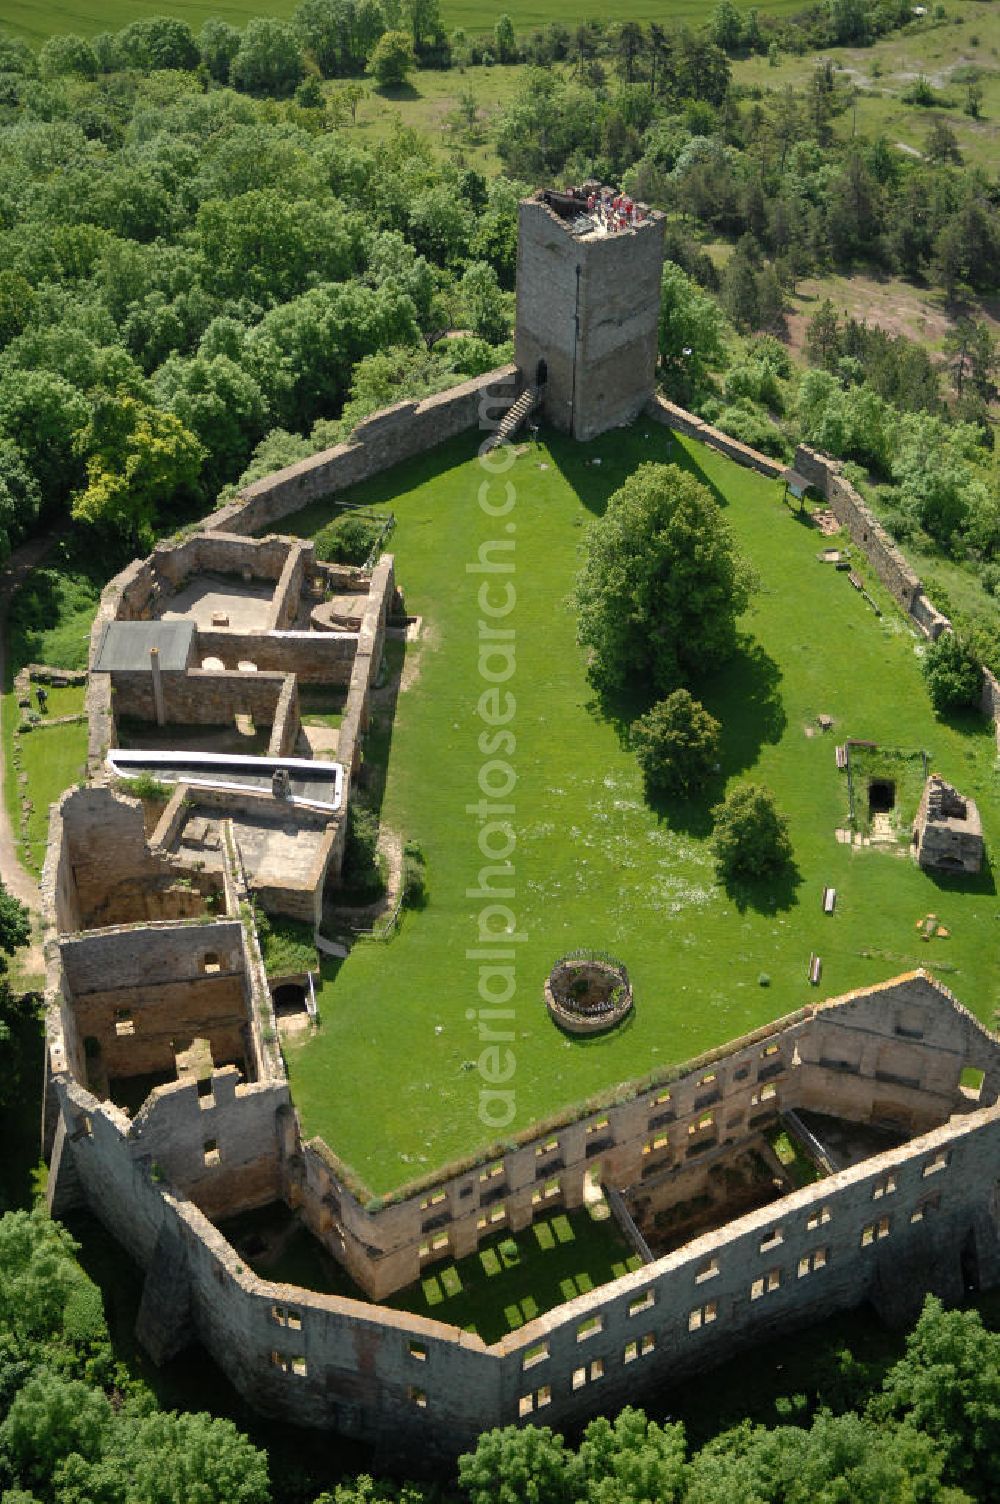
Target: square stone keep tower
point(588, 306)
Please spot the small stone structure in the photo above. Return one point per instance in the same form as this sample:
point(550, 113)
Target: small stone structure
point(588, 992)
point(947, 833)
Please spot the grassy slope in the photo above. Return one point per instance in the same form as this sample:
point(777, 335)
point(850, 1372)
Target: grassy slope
point(37, 19)
point(594, 865)
point(933, 50)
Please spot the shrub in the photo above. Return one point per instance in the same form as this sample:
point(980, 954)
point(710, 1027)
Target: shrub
point(414, 876)
point(676, 743)
point(144, 786)
point(953, 675)
point(349, 539)
point(362, 872)
point(750, 838)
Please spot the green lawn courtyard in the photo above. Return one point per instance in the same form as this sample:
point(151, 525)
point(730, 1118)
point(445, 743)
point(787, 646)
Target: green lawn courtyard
point(506, 1283)
point(389, 1079)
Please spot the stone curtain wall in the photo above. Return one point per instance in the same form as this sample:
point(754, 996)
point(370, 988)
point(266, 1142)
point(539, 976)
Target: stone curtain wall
point(676, 418)
point(853, 513)
point(893, 1053)
point(885, 1230)
point(385, 439)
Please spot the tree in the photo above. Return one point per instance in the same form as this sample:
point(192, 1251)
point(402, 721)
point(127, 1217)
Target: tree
point(726, 26)
point(947, 1387)
point(352, 94)
point(739, 291)
point(50, 1418)
point(220, 403)
point(218, 43)
point(440, 224)
point(749, 837)
point(327, 29)
point(67, 54)
point(16, 299)
point(425, 20)
point(268, 60)
point(952, 674)
point(137, 458)
point(676, 744)
point(504, 39)
point(632, 1458)
point(822, 342)
point(392, 59)
point(941, 144)
point(158, 42)
point(690, 334)
point(42, 413)
point(515, 1466)
point(20, 501)
point(662, 583)
point(485, 306)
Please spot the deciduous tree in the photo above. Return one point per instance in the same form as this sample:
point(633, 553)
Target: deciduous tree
point(662, 584)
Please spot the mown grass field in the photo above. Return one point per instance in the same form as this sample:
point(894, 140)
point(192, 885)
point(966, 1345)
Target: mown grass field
point(38, 19)
point(594, 864)
point(54, 758)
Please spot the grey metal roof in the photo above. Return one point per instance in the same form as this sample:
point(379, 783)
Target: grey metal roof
point(125, 646)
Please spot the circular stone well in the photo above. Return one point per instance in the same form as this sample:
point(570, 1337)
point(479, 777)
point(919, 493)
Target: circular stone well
point(587, 992)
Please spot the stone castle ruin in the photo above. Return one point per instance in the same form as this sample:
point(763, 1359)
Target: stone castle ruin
point(168, 1106)
point(947, 833)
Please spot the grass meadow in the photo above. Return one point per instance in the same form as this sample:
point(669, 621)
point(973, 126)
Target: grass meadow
point(38, 19)
point(595, 865)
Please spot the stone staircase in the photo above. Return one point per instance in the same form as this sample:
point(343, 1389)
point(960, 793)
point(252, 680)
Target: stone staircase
point(512, 419)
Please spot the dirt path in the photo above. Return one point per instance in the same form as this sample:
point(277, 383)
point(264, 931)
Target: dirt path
point(15, 877)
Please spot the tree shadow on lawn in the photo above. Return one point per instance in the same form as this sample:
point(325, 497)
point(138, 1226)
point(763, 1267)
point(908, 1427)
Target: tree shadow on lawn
point(744, 696)
point(772, 894)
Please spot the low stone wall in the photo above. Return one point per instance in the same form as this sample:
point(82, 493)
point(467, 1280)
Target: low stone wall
point(201, 697)
point(315, 657)
point(990, 701)
point(367, 661)
point(287, 721)
point(385, 439)
point(676, 418)
point(288, 591)
point(853, 513)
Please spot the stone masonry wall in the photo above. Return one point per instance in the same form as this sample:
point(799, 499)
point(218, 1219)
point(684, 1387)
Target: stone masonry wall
point(892, 1054)
point(316, 657)
point(201, 697)
point(385, 439)
point(589, 308)
point(885, 1230)
point(619, 328)
point(851, 510)
point(681, 421)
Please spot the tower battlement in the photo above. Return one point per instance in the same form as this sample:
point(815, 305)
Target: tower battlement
point(588, 303)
